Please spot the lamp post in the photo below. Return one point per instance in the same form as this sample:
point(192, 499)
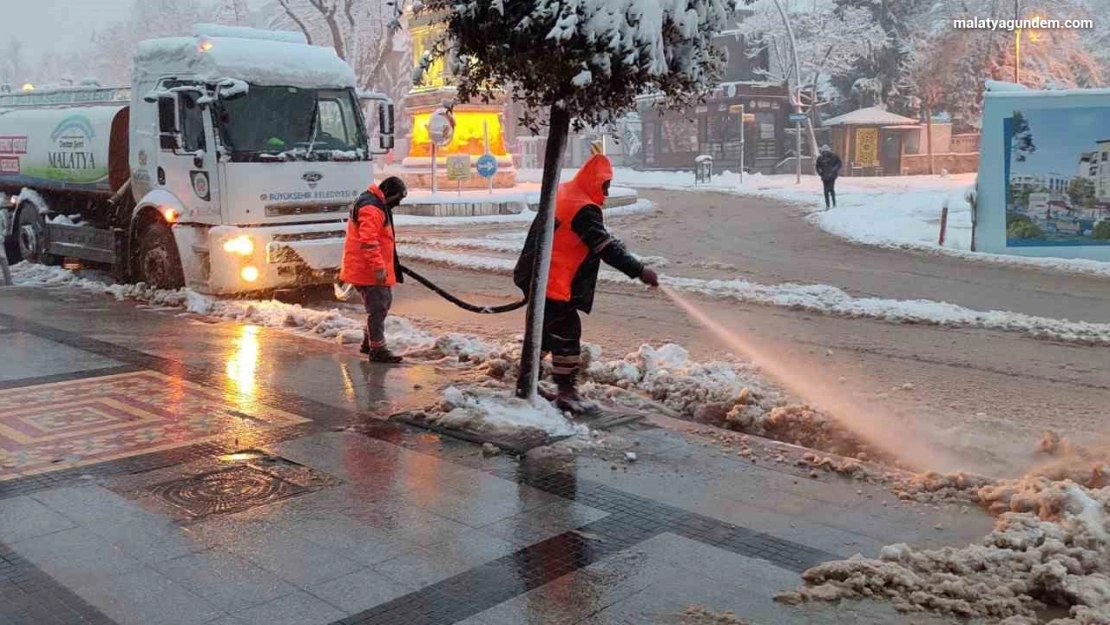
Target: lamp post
point(1033, 38)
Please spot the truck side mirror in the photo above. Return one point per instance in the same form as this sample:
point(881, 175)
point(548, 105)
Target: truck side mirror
point(386, 142)
point(385, 118)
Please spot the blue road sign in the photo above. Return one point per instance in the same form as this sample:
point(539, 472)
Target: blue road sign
point(797, 118)
point(486, 166)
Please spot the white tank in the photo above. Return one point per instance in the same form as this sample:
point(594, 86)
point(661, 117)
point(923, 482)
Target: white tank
point(63, 149)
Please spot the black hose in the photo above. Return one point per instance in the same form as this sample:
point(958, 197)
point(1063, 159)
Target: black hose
point(483, 310)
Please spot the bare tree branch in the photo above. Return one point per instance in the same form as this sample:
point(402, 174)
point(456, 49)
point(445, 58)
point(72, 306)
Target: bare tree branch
point(296, 20)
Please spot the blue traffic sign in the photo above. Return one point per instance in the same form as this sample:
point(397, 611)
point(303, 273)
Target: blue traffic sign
point(797, 118)
point(486, 166)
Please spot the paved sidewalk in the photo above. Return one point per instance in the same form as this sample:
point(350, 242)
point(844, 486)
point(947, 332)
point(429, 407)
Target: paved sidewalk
point(159, 469)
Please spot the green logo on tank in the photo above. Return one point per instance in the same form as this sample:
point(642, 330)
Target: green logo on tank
point(73, 157)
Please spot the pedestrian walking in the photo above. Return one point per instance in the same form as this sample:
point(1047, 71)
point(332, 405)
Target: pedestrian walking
point(828, 167)
point(370, 262)
point(581, 243)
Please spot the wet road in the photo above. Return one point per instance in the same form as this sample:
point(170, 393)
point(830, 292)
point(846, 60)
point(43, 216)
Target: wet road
point(990, 391)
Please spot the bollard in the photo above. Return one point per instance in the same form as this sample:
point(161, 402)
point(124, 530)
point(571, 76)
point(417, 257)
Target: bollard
point(703, 169)
point(5, 268)
point(943, 224)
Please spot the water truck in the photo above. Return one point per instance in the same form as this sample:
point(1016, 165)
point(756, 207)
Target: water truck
point(227, 165)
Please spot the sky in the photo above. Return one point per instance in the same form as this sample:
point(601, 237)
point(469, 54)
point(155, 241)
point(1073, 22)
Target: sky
point(40, 24)
point(1060, 135)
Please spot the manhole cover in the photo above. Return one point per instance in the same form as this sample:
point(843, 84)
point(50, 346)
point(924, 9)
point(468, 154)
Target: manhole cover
point(227, 490)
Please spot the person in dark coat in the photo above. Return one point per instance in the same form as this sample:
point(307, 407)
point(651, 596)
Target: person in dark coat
point(580, 245)
point(828, 167)
point(370, 262)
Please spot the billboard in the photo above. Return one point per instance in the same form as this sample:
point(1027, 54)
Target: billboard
point(1057, 179)
point(1044, 173)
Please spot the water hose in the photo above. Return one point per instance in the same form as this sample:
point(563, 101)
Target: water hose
point(343, 291)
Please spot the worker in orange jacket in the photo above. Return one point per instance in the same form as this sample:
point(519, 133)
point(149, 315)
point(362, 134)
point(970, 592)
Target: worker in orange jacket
point(581, 243)
point(370, 262)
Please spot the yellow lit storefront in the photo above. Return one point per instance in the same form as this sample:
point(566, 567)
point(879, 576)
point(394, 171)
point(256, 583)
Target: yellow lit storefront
point(472, 122)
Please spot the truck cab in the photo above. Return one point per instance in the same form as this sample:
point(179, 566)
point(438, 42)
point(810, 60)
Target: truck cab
point(251, 146)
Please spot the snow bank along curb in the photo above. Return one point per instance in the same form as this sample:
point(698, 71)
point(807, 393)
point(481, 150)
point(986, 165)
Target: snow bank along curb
point(897, 212)
point(827, 300)
point(1050, 548)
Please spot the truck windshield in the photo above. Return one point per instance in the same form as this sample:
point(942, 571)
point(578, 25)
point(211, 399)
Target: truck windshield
point(289, 123)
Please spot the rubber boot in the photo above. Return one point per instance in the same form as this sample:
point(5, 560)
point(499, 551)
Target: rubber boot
point(570, 400)
point(384, 356)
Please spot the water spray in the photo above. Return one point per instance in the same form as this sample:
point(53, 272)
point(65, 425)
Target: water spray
point(893, 437)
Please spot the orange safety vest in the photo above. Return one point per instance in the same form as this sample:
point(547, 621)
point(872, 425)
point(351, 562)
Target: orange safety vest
point(568, 251)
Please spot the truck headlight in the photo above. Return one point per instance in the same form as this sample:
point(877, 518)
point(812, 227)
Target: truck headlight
point(249, 273)
point(242, 245)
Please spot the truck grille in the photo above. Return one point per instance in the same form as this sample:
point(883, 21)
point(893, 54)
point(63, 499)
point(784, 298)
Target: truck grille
point(292, 210)
point(310, 236)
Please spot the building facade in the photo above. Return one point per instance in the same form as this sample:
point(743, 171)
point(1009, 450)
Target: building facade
point(673, 139)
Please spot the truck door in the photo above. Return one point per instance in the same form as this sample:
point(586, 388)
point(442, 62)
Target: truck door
point(188, 166)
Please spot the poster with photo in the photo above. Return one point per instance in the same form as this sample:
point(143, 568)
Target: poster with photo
point(1057, 177)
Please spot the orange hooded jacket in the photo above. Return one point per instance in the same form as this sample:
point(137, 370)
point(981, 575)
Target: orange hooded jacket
point(568, 250)
point(369, 246)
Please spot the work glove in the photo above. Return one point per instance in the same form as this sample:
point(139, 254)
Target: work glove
point(379, 277)
point(649, 277)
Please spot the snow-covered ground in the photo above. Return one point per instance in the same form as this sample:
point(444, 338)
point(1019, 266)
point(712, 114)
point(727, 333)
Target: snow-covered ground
point(526, 217)
point(902, 212)
point(825, 299)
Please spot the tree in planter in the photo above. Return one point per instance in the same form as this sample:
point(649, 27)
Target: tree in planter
point(586, 62)
point(926, 73)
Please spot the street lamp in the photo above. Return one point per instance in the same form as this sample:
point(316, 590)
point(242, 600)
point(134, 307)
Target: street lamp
point(1033, 38)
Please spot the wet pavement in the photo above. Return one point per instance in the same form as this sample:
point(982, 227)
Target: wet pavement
point(157, 468)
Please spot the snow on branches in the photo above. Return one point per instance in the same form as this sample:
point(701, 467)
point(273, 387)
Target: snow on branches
point(592, 57)
point(829, 41)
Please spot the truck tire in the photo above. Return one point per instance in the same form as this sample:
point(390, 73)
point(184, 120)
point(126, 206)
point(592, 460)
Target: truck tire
point(159, 263)
point(30, 239)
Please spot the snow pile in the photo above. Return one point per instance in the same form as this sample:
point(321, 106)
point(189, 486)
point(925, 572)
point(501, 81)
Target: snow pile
point(498, 411)
point(705, 392)
point(1050, 548)
point(831, 300)
point(28, 274)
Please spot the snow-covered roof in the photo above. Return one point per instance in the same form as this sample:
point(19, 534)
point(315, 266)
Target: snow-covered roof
point(256, 61)
point(871, 116)
point(239, 32)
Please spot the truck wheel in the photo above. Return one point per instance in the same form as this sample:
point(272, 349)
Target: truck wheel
point(30, 239)
point(159, 262)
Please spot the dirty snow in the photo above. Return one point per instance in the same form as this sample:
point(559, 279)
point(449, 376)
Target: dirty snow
point(825, 299)
point(1049, 548)
point(498, 411)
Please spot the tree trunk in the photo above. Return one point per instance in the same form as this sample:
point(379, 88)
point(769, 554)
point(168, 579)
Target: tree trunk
point(929, 134)
point(559, 127)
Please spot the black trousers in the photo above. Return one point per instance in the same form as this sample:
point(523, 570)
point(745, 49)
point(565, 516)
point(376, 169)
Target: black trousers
point(376, 300)
point(562, 338)
point(830, 191)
